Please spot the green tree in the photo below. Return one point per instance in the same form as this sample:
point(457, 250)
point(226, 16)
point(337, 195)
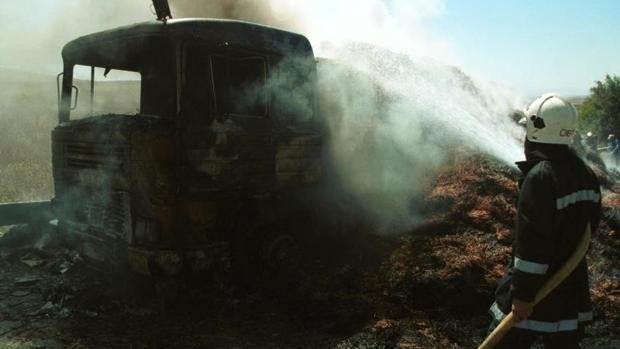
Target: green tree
point(600, 112)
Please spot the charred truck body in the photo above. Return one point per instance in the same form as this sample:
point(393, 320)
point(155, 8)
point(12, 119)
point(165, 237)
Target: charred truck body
point(223, 153)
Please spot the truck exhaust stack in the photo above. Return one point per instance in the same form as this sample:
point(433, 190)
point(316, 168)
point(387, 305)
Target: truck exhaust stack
point(162, 10)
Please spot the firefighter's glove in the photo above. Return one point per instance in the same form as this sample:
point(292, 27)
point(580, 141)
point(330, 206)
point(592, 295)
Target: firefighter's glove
point(521, 309)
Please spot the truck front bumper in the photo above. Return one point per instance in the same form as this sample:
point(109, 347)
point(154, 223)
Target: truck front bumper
point(154, 261)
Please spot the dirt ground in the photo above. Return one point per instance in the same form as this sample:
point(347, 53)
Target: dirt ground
point(429, 287)
point(66, 302)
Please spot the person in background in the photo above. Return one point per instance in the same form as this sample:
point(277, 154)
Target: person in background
point(613, 147)
point(559, 196)
point(590, 141)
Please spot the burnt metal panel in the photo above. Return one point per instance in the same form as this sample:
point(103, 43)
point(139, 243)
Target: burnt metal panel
point(115, 45)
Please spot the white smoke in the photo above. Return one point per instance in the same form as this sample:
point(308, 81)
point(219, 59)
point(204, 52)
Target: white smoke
point(394, 120)
point(396, 104)
point(33, 32)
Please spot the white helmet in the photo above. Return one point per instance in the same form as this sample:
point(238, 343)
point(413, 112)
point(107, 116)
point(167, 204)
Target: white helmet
point(550, 119)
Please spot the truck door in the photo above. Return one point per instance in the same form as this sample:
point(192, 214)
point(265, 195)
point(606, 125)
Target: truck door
point(226, 125)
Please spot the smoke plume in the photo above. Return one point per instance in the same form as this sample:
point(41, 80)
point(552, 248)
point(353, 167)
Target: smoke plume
point(392, 96)
point(395, 120)
point(395, 110)
point(278, 14)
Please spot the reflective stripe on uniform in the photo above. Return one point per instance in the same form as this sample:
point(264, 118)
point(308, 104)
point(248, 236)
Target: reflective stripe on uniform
point(541, 326)
point(585, 316)
point(582, 195)
point(530, 267)
point(496, 312)
point(548, 327)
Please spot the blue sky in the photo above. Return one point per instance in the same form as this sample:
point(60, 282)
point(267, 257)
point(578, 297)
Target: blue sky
point(534, 46)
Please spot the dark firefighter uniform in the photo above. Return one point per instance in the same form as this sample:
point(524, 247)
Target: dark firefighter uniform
point(559, 195)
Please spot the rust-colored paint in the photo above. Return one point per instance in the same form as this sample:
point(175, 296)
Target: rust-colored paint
point(203, 217)
point(165, 218)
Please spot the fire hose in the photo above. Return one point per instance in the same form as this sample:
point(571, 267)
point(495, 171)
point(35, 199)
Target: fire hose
point(504, 326)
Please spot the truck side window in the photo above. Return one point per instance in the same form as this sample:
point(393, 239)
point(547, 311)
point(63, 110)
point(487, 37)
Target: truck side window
point(118, 92)
point(240, 84)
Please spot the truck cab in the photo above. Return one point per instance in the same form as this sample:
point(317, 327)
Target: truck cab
point(220, 148)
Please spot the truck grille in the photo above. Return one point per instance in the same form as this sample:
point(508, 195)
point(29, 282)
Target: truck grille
point(107, 213)
point(94, 156)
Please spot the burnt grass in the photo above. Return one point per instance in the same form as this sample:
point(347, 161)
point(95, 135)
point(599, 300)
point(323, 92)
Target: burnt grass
point(428, 287)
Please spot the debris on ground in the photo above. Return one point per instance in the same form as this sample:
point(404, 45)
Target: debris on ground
point(427, 288)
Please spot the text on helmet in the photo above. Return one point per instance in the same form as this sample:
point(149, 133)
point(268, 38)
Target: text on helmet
point(567, 133)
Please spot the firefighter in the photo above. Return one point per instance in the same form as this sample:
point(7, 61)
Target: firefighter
point(559, 195)
point(613, 147)
point(590, 141)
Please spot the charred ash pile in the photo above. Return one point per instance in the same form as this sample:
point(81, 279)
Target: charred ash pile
point(427, 288)
point(438, 282)
point(459, 252)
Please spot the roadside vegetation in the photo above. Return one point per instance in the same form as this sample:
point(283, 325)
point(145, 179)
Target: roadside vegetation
point(600, 112)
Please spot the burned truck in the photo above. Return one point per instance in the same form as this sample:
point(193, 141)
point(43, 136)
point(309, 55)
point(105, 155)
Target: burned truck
point(216, 166)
